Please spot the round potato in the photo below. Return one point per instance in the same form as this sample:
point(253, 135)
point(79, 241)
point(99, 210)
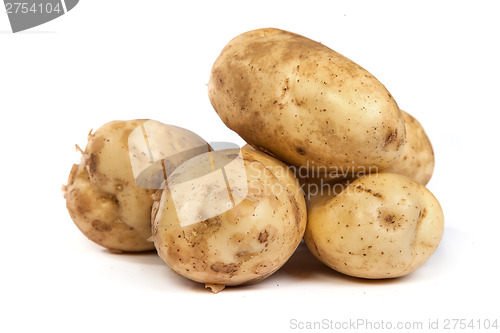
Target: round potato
point(109, 193)
point(417, 159)
point(380, 226)
point(229, 217)
point(305, 103)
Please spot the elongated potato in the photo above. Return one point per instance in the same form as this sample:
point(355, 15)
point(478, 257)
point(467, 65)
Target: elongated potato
point(108, 194)
point(417, 159)
point(229, 217)
point(305, 103)
point(380, 226)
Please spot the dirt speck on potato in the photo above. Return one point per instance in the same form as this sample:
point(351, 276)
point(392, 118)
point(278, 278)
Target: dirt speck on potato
point(263, 236)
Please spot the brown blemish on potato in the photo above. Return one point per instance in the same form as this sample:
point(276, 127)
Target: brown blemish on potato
point(220, 267)
point(301, 151)
point(92, 163)
point(391, 137)
point(101, 226)
point(423, 213)
point(81, 202)
point(367, 190)
point(263, 236)
point(286, 87)
point(390, 219)
point(245, 255)
point(112, 198)
point(211, 225)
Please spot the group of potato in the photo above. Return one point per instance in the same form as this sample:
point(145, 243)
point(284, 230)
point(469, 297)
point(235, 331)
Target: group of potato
point(330, 159)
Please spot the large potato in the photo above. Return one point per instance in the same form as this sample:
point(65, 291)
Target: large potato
point(380, 226)
point(229, 217)
point(417, 159)
point(109, 193)
point(305, 103)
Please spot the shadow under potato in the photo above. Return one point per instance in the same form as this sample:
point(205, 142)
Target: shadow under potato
point(303, 265)
point(149, 257)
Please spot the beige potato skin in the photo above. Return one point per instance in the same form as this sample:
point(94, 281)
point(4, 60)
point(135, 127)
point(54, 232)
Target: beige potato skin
point(417, 159)
point(381, 226)
point(305, 103)
point(102, 196)
point(243, 245)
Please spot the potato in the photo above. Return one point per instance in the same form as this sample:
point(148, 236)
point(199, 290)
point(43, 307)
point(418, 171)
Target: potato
point(417, 159)
point(102, 195)
point(305, 103)
point(229, 217)
point(380, 226)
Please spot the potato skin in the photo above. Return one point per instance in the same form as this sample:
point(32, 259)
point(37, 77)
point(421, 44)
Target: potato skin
point(417, 159)
point(102, 196)
point(305, 103)
point(244, 244)
point(381, 226)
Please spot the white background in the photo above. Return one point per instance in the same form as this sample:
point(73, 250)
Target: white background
point(118, 59)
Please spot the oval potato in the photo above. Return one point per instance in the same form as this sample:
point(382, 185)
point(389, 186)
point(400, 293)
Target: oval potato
point(305, 103)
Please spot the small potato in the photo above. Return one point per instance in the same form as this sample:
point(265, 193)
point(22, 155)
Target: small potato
point(229, 217)
point(109, 193)
point(380, 226)
point(417, 159)
point(305, 103)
